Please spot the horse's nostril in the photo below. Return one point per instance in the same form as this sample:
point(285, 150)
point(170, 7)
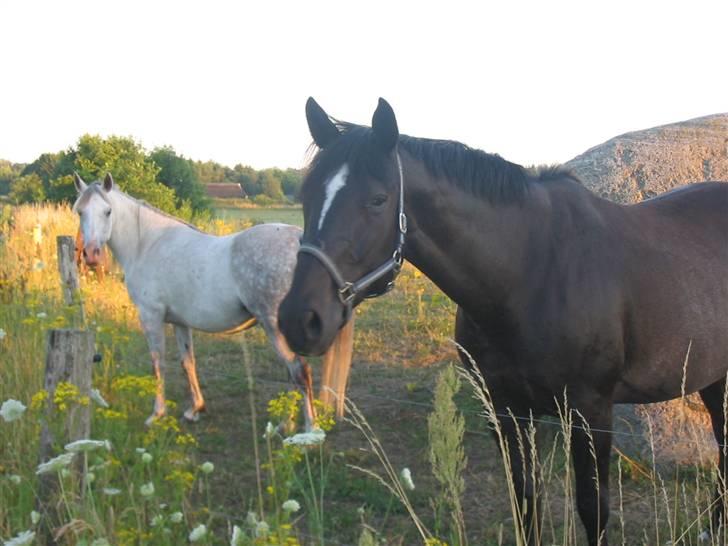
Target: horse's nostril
point(84, 253)
point(97, 251)
point(312, 325)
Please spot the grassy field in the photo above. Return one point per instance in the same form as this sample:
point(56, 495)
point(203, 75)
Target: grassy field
point(401, 347)
point(257, 215)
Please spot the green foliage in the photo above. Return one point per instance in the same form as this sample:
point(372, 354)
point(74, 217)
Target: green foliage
point(291, 180)
point(8, 173)
point(273, 183)
point(135, 173)
point(179, 173)
point(247, 177)
point(446, 428)
point(27, 189)
point(55, 170)
point(270, 185)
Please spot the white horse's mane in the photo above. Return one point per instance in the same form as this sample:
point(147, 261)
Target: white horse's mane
point(98, 189)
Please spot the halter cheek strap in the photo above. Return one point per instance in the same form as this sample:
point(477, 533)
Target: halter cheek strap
point(349, 290)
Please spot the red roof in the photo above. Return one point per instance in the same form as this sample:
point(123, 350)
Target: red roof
point(225, 190)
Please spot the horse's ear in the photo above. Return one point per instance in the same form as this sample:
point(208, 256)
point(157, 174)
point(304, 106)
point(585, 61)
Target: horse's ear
point(384, 126)
point(322, 129)
point(78, 182)
point(108, 182)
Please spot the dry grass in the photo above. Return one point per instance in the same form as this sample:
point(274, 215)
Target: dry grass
point(401, 342)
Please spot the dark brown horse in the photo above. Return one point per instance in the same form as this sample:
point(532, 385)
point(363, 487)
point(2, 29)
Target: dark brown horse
point(558, 290)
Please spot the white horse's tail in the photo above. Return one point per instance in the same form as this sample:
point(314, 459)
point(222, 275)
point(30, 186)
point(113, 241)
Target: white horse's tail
point(336, 368)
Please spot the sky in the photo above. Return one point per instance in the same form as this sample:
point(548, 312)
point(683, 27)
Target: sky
point(536, 82)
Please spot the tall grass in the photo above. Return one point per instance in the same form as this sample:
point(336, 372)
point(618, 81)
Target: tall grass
point(652, 503)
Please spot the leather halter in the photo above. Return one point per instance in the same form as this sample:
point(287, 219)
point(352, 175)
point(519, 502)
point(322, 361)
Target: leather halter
point(349, 290)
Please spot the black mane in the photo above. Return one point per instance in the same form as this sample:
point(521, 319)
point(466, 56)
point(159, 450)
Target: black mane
point(483, 175)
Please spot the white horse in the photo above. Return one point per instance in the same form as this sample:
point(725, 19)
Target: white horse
point(177, 274)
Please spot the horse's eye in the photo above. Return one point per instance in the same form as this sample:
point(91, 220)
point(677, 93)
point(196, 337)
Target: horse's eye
point(378, 200)
point(107, 212)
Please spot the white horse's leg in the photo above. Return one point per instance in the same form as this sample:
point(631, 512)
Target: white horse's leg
point(187, 354)
point(154, 332)
point(299, 371)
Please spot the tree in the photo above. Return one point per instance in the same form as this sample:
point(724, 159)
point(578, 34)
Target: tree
point(291, 181)
point(124, 158)
point(27, 189)
point(9, 172)
point(179, 173)
point(247, 177)
point(270, 185)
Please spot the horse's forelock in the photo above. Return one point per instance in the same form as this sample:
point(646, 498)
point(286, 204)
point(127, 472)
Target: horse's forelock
point(85, 197)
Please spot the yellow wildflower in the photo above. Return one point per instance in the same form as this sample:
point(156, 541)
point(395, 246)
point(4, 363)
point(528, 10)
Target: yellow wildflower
point(324, 416)
point(285, 405)
point(39, 399)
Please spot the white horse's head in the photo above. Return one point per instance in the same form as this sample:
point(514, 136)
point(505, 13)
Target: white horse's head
point(95, 212)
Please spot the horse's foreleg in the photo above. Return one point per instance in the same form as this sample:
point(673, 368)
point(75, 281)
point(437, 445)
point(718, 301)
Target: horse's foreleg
point(154, 332)
point(590, 449)
point(187, 355)
point(713, 397)
point(519, 455)
point(299, 371)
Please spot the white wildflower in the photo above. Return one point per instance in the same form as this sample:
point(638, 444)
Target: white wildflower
point(100, 542)
point(290, 506)
point(198, 533)
point(207, 467)
point(87, 445)
point(406, 476)
point(16, 479)
point(313, 438)
point(12, 410)
point(23, 539)
point(56, 464)
point(251, 519)
point(704, 536)
point(90, 477)
point(41, 315)
point(147, 489)
point(147, 458)
point(65, 473)
point(95, 395)
point(2, 334)
point(157, 520)
point(34, 517)
point(238, 537)
point(176, 517)
point(261, 529)
point(140, 450)
point(269, 430)
point(111, 491)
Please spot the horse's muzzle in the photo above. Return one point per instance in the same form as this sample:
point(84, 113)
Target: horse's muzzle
point(92, 255)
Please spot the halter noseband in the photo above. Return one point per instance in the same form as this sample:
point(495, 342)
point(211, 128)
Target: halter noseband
point(349, 290)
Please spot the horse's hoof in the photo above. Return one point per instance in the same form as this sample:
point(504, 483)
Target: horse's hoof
point(192, 416)
point(152, 418)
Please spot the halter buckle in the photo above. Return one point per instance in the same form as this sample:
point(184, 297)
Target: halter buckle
point(346, 293)
point(402, 223)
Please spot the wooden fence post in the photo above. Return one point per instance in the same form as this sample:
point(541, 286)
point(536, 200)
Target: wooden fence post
point(69, 273)
point(69, 358)
point(66, 267)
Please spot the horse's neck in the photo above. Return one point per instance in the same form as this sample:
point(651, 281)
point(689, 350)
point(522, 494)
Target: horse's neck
point(469, 247)
point(135, 227)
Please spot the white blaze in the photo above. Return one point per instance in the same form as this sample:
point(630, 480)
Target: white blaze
point(334, 184)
